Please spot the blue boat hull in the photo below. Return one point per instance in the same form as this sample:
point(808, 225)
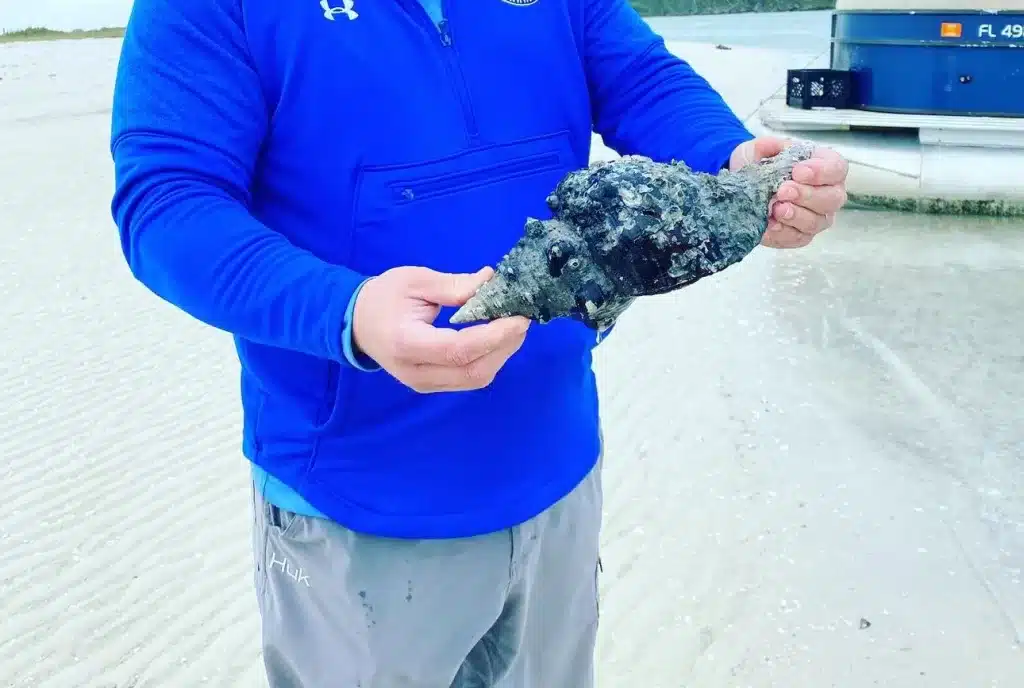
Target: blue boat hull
point(928, 62)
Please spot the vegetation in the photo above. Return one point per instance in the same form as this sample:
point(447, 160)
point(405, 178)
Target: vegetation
point(664, 8)
point(38, 33)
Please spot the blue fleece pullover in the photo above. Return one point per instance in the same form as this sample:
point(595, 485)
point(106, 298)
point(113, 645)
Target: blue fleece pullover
point(269, 157)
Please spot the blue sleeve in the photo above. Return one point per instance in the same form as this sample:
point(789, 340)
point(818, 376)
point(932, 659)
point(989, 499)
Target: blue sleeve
point(188, 122)
point(647, 101)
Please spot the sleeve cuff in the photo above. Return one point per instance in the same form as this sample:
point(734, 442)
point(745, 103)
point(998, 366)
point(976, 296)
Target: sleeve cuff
point(355, 358)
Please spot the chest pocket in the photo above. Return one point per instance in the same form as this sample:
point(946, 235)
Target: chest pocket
point(458, 213)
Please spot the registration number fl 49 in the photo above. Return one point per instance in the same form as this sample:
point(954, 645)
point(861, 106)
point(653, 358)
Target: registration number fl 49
point(992, 31)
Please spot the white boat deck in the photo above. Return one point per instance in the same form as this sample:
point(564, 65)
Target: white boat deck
point(777, 115)
point(904, 156)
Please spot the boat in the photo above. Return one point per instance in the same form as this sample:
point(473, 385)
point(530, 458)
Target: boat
point(924, 98)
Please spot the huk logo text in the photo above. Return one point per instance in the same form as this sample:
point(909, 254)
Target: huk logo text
point(296, 574)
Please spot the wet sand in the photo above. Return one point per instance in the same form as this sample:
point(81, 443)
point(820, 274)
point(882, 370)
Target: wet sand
point(814, 472)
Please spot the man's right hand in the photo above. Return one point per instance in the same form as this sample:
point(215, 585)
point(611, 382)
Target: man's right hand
point(393, 325)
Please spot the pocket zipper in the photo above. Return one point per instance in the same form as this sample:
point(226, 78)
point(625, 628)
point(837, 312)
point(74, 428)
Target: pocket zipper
point(409, 192)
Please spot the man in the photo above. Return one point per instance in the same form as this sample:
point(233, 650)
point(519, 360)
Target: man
point(325, 181)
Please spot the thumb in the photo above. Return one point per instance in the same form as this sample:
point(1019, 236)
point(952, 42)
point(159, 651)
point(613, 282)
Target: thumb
point(757, 149)
point(769, 146)
point(449, 289)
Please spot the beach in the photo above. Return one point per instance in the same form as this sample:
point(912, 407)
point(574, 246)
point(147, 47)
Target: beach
point(814, 471)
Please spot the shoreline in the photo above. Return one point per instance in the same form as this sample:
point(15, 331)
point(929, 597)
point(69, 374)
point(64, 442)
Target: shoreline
point(36, 34)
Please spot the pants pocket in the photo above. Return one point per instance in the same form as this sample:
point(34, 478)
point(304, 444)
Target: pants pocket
point(282, 521)
point(272, 528)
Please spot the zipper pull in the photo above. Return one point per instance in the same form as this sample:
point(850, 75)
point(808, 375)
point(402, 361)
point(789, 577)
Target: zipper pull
point(446, 37)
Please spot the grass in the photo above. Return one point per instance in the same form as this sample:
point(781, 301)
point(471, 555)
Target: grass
point(39, 33)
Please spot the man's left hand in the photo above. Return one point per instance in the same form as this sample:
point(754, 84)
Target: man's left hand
point(806, 205)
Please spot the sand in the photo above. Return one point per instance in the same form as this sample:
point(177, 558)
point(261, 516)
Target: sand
point(814, 471)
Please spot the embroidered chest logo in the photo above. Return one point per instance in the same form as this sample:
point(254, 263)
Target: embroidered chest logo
point(520, 3)
point(346, 8)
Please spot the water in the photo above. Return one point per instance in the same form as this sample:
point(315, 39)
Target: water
point(805, 32)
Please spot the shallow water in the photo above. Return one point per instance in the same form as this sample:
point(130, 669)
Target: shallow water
point(815, 465)
point(804, 32)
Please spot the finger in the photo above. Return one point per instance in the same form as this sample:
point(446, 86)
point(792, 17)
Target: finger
point(428, 377)
point(768, 146)
point(800, 219)
point(448, 289)
point(743, 155)
point(826, 167)
point(823, 200)
point(781, 236)
point(423, 343)
point(755, 149)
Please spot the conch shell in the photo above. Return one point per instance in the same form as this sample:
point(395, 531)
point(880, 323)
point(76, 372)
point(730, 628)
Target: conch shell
point(628, 228)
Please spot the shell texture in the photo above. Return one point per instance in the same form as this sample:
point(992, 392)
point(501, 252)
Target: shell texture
point(628, 228)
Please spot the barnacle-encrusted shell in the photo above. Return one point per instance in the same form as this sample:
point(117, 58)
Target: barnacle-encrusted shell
point(628, 228)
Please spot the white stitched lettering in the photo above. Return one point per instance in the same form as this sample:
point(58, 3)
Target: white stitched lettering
point(296, 574)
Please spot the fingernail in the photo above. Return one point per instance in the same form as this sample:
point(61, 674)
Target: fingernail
point(788, 193)
point(803, 174)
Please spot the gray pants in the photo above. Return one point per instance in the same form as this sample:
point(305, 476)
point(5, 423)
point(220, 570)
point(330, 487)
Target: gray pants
point(513, 609)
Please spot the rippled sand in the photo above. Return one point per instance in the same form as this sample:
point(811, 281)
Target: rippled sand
point(814, 472)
